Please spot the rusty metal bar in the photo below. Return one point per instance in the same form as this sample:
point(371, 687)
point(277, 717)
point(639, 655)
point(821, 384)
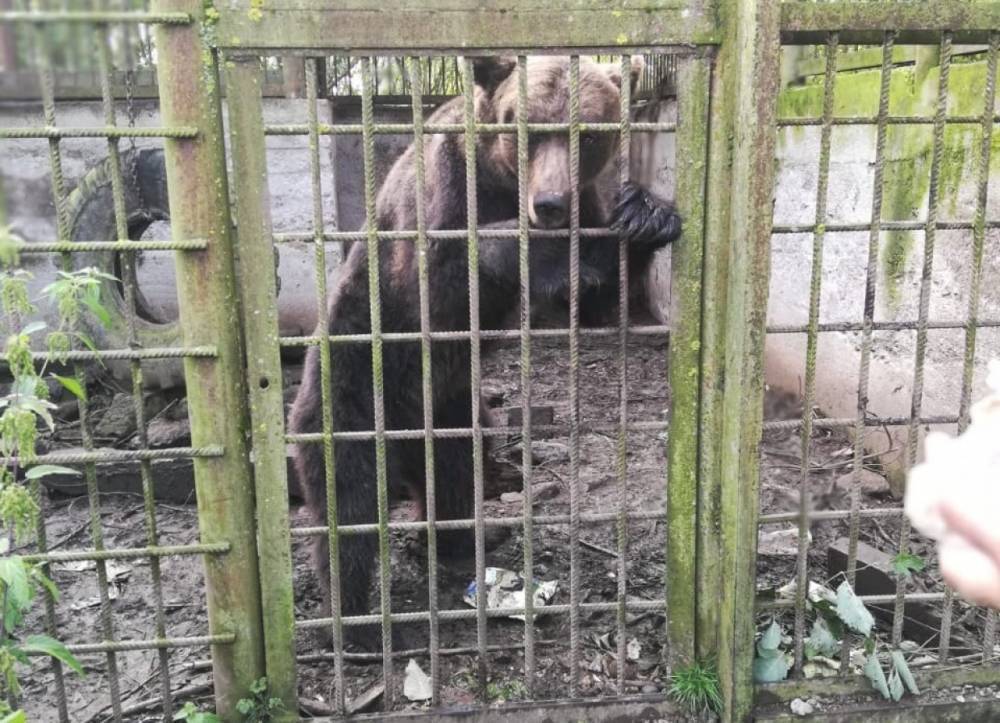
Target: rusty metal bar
point(203, 352)
point(375, 306)
point(879, 326)
point(525, 337)
point(121, 245)
point(892, 120)
point(621, 527)
point(414, 67)
point(163, 644)
point(444, 433)
point(129, 553)
point(809, 393)
point(498, 612)
point(345, 129)
point(468, 524)
point(472, 216)
point(52, 132)
point(511, 334)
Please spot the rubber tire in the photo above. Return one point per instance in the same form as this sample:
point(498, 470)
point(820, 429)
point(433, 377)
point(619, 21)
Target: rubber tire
point(90, 209)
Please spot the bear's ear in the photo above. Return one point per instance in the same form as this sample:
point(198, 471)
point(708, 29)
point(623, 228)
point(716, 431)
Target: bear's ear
point(638, 64)
point(490, 72)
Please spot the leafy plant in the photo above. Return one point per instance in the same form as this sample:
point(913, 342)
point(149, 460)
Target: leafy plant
point(259, 707)
point(770, 664)
point(905, 564)
point(834, 623)
point(696, 687)
point(23, 408)
point(189, 712)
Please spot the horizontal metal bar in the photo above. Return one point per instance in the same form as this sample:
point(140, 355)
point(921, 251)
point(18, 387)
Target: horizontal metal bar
point(416, 28)
point(469, 614)
point(300, 129)
point(93, 17)
point(18, 133)
point(199, 641)
point(415, 336)
point(915, 120)
point(452, 433)
point(129, 553)
point(815, 515)
point(115, 455)
point(831, 423)
point(835, 326)
point(883, 226)
point(518, 521)
point(194, 352)
point(763, 605)
point(439, 235)
point(124, 246)
point(866, 23)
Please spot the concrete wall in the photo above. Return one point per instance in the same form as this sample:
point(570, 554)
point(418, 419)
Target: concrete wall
point(901, 254)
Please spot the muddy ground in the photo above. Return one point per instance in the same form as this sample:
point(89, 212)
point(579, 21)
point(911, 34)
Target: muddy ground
point(78, 613)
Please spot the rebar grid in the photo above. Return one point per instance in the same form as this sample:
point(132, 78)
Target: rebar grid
point(97, 24)
point(820, 232)
point(459, 128)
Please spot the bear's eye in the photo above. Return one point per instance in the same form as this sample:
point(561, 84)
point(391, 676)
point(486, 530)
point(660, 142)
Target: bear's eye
point(588, 139)
point(508, 116)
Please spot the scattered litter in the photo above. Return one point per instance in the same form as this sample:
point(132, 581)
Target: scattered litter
point(416, 684)
point(633, 649)
point(505, 589)
point(817, 592)
point(801, 707)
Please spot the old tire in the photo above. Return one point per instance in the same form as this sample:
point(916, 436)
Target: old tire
point(92, 218)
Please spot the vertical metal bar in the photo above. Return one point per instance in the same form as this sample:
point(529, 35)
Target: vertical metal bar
point(472, 215)
point(129, 283)
point(326, 401)
point(812, 339)
point(258, 302)
point(375, 306)
point(975, 286)
point(625, 140)
point(46, 84)
point(930, 233)
point(522, 225)
point(684, 360)
point(574, 372)
point(871, 270)
point(415, 66)
point(754, 32)
point(217, 396)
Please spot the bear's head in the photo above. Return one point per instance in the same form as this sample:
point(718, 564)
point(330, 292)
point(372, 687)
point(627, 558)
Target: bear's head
point(548, 179)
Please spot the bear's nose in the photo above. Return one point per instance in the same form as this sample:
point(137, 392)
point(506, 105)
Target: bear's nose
point(551, 209)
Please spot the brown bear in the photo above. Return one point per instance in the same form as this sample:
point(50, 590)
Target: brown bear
point(644, 222)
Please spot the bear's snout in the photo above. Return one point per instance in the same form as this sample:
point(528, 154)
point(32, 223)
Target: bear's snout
point(551, 209)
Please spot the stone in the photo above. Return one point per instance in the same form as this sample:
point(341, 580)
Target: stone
point(870, 483)
point(512, 497)
point(118, 420)
point(543, 452)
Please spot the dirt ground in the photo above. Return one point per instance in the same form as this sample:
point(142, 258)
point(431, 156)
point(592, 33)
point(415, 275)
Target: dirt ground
point(78, 617)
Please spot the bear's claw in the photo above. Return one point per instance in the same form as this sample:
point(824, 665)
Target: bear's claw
point(641, 218)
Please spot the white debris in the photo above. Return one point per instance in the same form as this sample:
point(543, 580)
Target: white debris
point(416, 684)
point(505, 589)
